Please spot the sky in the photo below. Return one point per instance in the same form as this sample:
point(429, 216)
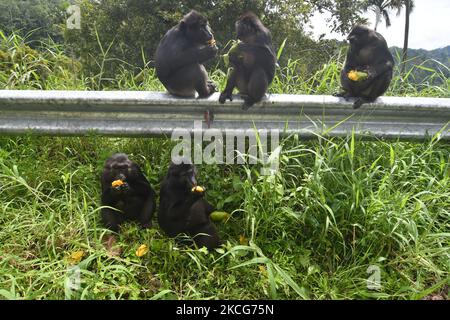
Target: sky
point(429, 26)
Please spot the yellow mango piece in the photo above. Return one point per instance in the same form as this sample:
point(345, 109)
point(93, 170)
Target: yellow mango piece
point(75, 257)
point(142, 250)
point(262, 269)
point(217, 216)
point(243, 240)
point(356, 75)
point(212, 42)
point(198, 189)
point(117, 183)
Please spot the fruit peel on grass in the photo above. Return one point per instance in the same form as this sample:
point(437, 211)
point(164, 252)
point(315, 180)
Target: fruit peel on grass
point(142, 250)
point(76, 256)
point(218, 216)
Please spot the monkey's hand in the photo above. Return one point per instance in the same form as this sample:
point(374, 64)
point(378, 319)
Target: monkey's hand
point(197, 192)
point(117, 183)
point(371, 73)
point(237, 58)
point(211, 42)
point(120, 186)
point(224, 96)
point(198, 189)
point(125, 187)
point(207, 52)
point(211, 86)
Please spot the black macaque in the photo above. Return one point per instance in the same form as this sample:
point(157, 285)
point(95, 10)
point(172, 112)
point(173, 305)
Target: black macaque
point(253, 62)
point(125, 188)
point(368, 53)
point(183, 210)
point(180, 56)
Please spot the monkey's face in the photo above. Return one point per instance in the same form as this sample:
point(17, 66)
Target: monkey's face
point(119, 167)
point(359, 36)
point(245, 29)
point(183, 175)
point(199, 32)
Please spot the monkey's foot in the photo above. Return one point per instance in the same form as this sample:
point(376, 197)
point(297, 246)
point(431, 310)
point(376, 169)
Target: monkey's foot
point(338, 94)
point(248, 102)
point(208, 91)
point(358, 103)
point(342, 94)
point(211, 86)
point(224, 96)
point(190, 94)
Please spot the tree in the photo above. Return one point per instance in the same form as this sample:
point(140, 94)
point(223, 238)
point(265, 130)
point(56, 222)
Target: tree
point(33, 19)
point(119, 34)
point(344, 13)
point(117, 31)
point(380, 7)
point(409, 6)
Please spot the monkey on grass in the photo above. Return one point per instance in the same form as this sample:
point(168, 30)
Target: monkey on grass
point(125, 188)
point(183, 209)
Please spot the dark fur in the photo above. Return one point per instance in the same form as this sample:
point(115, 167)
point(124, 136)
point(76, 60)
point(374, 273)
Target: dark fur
point(253, 64)
point(135, 199)
point(368, 52)
point(180, 56)
point(182, 211)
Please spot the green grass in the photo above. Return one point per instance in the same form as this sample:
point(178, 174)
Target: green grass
point(336, 207)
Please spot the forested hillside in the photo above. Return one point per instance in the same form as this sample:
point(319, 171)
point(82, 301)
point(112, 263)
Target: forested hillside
point(421, 62)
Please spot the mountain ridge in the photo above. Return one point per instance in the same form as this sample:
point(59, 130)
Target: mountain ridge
point(425, 65)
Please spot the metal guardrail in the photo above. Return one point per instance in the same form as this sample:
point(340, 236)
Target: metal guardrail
point(133, 113)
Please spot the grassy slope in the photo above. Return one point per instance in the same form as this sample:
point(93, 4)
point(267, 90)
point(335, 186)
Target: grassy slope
point(336, 207)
